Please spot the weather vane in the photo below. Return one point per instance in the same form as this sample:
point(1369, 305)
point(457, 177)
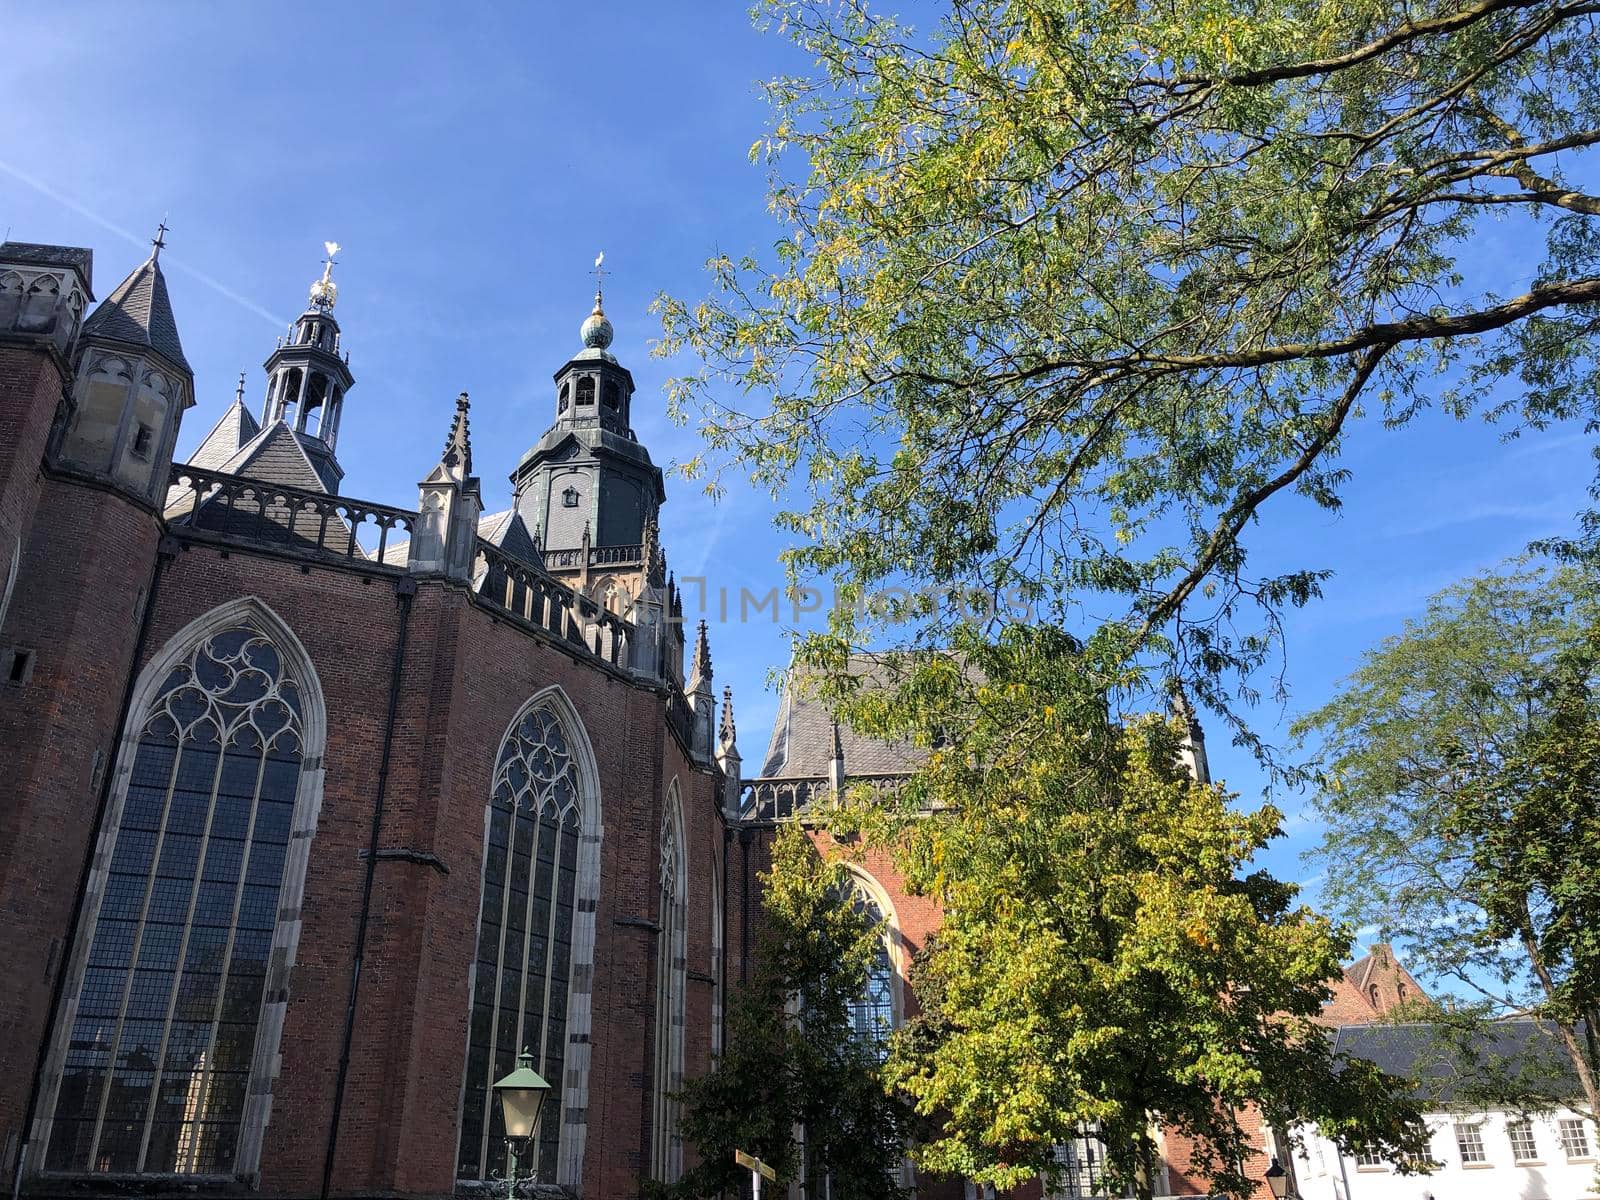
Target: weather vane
point(160, 239)
point(324, 292)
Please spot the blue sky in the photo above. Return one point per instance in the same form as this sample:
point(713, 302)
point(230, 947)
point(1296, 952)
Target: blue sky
point(472, 160)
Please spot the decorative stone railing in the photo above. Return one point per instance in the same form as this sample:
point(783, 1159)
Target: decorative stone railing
point(778, 798)
point(531, 595)
point(250, 510)
point(599, 556)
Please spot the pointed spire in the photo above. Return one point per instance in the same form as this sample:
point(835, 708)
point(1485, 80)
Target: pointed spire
point(139, 313)
point(728, 733)
point(159, 242)
point(700, 665)
point(238, 395)
point(458, 446)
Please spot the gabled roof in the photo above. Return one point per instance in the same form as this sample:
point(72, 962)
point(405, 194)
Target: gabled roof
point(139, 313)
point(507, 531)
point(272, 456)
point(804, 731)
point(1445, 1064)
point(275, 455)
point(235, 428)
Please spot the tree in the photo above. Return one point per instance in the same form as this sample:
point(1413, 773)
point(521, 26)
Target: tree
point(792, 1062)
point(1065, 297)
point(1067, 294)
point(1460, 770)
point(1104, 959)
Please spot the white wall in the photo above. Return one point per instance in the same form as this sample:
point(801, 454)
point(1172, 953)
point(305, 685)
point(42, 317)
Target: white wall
point(1551, 1176)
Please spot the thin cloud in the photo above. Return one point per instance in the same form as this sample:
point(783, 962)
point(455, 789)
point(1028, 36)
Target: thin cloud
point(127, 235)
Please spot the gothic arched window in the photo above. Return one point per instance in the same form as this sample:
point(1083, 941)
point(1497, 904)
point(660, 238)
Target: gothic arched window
point(167, 1059)
point(872, 1013)
point(671, 972)
point(525, 937)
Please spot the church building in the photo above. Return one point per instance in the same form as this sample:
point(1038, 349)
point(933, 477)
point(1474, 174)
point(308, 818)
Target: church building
point(319, 812)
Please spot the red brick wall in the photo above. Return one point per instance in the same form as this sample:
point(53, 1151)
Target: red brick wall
point(466, 675)
point(86, 563)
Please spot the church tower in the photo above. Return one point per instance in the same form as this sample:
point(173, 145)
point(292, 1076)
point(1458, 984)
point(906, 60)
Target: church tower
point(588, 489)
point(308, 376)
point(131, 387)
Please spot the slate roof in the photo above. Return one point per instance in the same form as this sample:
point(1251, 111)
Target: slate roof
point(803, 733)
point(36, 254)
point(236, 427)
point(1444, 1067)
point(272, 455)
point(275, 455)
point(139, 313)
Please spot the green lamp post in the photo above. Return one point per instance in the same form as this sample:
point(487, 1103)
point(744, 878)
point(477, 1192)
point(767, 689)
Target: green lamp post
point(521, 1096)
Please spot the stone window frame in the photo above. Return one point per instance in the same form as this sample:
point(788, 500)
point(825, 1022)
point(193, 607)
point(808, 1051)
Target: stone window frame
point(586, 897)
point(265, 1062)
point(671, 989)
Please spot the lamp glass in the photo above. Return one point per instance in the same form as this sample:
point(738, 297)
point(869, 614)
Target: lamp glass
point(521, 1095)
point(1277, 1180)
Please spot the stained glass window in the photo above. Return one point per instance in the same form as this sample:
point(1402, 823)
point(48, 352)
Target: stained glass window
point(671, 970)
point(872, 1013)
point(524, 954)
point(164, 1030)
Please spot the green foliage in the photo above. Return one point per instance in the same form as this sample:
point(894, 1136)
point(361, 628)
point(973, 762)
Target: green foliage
point(1065, 293)
point(790, 1060)
point(1105, 958)
point(1460, 774)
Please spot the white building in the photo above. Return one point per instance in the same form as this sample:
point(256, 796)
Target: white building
point(1478, 1154)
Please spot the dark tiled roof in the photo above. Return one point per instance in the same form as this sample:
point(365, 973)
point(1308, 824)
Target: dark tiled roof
point(507, 531)
point(803, 733)
point(235, 428)
point(276, 456)
point(35, 254)
point(139, 313)
point(1445, 1064)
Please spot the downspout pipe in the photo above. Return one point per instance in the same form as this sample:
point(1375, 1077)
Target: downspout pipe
point(166, 551)
point(405, 591)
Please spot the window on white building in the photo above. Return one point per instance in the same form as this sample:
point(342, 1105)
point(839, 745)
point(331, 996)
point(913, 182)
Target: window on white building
point(1369, 1158)
point(1524, 1147)
point(1469, 1140)
point(1575, 1138)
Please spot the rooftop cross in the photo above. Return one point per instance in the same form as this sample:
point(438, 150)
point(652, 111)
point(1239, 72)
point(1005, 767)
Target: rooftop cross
point(160, 239)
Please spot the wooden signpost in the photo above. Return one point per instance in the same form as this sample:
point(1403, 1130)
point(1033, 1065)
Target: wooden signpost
point(758, 1170)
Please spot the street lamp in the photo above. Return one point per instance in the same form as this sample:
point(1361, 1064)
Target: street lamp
point(1277, 1180)
point(521, 1096)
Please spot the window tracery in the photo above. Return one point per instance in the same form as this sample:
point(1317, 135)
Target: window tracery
point(525, 937)
point(161, 1054)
